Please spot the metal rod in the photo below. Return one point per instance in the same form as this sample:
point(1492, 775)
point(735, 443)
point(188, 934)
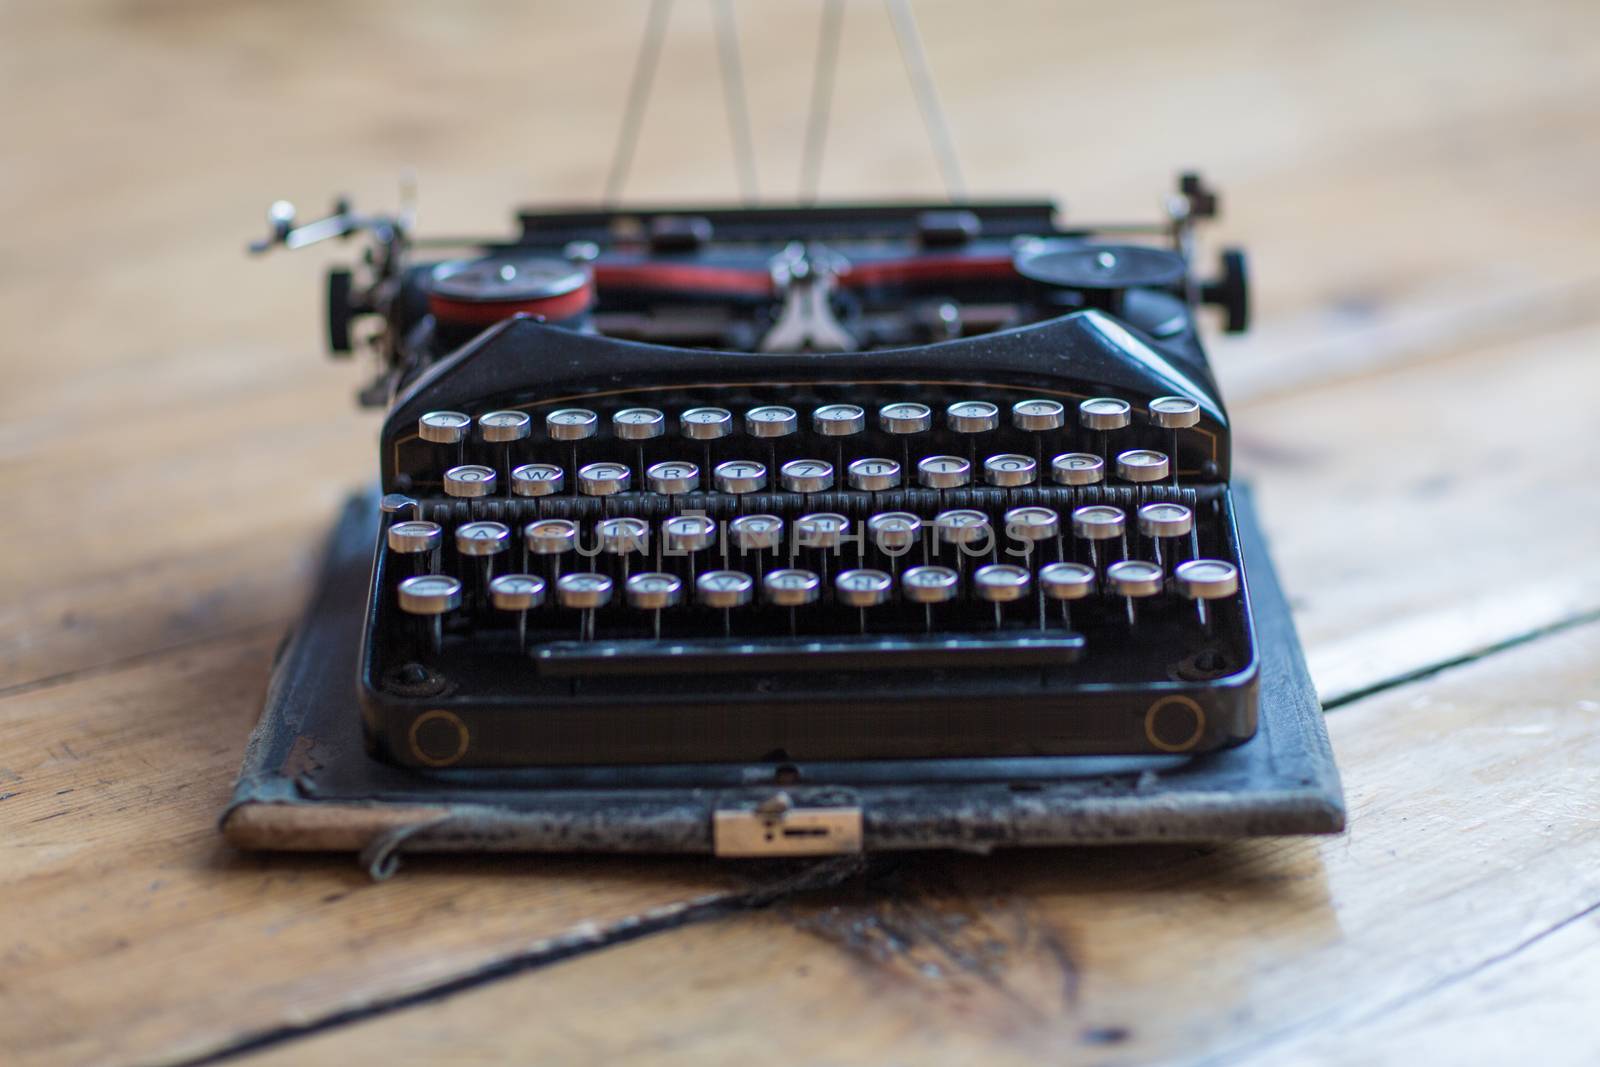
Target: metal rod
point(733, 92)
point(921, 78)
point(821, 99)
point(644, 73)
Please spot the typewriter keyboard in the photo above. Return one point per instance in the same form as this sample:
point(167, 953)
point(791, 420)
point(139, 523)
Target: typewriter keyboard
point(702, 539)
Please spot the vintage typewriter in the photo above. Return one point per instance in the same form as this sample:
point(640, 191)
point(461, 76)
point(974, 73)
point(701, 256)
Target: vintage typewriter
point(915, 494)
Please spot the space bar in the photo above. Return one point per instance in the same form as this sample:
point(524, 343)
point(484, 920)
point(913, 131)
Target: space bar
point(562, 659)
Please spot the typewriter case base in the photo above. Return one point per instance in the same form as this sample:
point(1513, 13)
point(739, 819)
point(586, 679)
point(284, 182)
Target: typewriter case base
point(308, 782)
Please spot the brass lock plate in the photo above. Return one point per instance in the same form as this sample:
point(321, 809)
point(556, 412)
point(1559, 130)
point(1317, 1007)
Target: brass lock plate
point(786, 832)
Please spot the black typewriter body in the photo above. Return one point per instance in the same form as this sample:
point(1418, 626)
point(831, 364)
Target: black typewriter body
point(801, 486)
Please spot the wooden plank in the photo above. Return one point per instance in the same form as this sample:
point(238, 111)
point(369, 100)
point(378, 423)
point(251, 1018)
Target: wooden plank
point(1546, 985)
point(1416, 516)
point(131, 932)
point(1473, 833)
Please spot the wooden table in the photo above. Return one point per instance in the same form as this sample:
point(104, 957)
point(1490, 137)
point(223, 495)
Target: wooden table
point(1419, 409)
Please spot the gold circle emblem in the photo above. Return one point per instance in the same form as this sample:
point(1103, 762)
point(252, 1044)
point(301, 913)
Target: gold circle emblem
point(1195, 711)
point(438, 715)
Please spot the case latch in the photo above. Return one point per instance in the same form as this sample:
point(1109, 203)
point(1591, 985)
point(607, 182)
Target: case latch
point(776, 827)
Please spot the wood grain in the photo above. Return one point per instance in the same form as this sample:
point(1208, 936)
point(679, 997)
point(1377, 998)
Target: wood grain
point(124, 906)
point(1461, 871)
point(1415, 184)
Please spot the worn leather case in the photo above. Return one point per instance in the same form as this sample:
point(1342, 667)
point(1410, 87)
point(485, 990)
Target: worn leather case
point(309, 783)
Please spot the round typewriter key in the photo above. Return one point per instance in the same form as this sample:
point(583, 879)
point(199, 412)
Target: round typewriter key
point(894, 532)
point(1064, 582)
point(689, 533)
point(1077, 468)
point(1010, 470)
point(972, 416)
point(823, 532)
point(623, 536)
point(585, 591)
point(516, 592)
point(807, 475)
point(673, 477)
point(823, 529)
point(430, 594)
point(791, 587)
point(1207, 579)
point(838, 420)
point(1134, 579)
point(1174, 412)
point(537, 479)
point(414, 537)
point(1141, 465)
point(1000, 584)
point(862, 589)
point(740, 476)
point(1162, 520)
point(705, 424)
point(519, 593)
point(571, 424)
point(725, 590)
point(482, 538)
point(550, 537)
point(638, 424)
point(1165, 520)
point(904, 417)
point(482, 541)
point(1203, 580)
point(416, 541)
point(603, 479)
point(504, 427)
point(1037, 415)
point(653, 591)
point(1096, 523)
point(756, 533)
point(1032, 525)
point(444, 427)
point(1104, 413)
point(873, 474)
point(929, 586)
point(943, 472)
point(469, 481)
point(685, 535)
point(966, 528)
point(771, 420)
